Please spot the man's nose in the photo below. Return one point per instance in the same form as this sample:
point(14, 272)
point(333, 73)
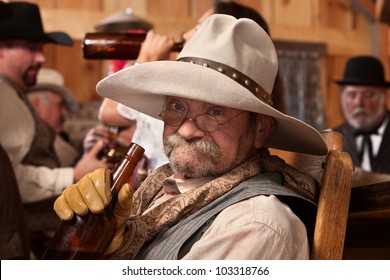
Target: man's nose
point(359, 98)
point(40, 57)
point(189, 130)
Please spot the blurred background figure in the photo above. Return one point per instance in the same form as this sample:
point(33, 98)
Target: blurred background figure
point(122, 21)
point(14, 241)
point(54, 103)
point(146, 131)
point(27, 140)
point(363, 97)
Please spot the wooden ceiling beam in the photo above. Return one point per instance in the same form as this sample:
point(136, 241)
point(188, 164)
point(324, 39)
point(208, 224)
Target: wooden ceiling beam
point(366, 8)
point(373, 11)
point(382, 11)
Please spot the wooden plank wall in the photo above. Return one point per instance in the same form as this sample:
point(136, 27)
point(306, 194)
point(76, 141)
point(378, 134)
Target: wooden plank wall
point(339, 24)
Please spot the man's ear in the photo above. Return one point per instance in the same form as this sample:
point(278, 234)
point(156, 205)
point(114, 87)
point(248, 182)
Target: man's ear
point(264, 126)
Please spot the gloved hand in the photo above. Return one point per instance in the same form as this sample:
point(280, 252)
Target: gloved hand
point(92, 193)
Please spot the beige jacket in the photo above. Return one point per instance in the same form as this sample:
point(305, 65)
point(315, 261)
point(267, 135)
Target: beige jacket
point(17, 129)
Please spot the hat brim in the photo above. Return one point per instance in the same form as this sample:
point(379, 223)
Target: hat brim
point(70, 100)
point(59, 38)
point(20, 32)
point(123, 26)
point(144, 88)
point(362, 83)
point(5, 11)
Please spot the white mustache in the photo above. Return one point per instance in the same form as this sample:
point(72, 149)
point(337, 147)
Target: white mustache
point(200, 145)
point(359, 111)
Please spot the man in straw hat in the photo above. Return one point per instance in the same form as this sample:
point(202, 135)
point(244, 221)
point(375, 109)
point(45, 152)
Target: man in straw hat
point(222, 196)
point(54, 103)
point(363, 96)
point(27, 140)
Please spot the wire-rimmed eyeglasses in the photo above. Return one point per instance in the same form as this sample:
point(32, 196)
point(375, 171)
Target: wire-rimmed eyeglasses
point(204, 122)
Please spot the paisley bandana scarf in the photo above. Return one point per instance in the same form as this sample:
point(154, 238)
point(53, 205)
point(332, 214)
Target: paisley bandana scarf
point(142, 228)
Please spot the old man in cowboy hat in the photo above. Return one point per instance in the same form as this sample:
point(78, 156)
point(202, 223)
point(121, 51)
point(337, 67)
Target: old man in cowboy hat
point(221, 196)
point(363, 96)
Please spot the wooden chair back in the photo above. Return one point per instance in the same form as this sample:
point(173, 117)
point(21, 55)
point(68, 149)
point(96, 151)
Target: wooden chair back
point(334, 173)
point(368, 227)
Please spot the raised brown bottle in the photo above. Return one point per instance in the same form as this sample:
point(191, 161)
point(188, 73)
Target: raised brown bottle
point(115, 45)
point(87, 237)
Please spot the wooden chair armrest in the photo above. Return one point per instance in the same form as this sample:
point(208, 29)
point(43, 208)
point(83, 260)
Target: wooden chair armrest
point(333, 207)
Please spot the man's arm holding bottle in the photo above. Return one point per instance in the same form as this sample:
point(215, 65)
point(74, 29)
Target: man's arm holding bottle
point(155, 47)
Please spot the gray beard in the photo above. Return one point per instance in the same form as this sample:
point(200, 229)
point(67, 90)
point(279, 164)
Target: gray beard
point(204, 163)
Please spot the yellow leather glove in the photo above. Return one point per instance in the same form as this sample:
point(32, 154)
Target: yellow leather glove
point(92, 193)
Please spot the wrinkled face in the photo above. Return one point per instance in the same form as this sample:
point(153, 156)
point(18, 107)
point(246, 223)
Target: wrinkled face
point(20, 60)
point(363, 106)
point(51, 107)
point(193, 150)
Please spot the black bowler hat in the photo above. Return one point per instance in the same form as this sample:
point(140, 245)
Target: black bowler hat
point(364, 70)
point(25, 23)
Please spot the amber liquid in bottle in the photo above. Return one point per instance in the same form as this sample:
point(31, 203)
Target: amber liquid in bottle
point(87, 237)
point(116, 45)
point(113, 151)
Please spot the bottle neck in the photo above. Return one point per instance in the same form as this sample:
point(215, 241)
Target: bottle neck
point(124, 169)
point(124, 46)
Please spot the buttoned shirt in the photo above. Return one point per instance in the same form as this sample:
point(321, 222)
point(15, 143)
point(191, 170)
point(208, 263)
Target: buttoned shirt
point(261, 227)
point(376, 139)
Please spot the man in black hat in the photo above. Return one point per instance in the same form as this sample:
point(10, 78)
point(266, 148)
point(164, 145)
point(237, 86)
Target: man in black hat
point(22, 38)
point(5, 11)
point(363, 99)
point(14, 242)
point(27, 140)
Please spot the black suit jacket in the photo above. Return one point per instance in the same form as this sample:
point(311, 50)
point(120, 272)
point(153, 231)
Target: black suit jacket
point(382, 161)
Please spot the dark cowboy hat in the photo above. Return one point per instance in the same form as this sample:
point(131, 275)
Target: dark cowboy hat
point(364, 70)
point(25, 23)
point(5, 11)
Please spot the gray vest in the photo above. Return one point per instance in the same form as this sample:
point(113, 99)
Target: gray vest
point(42, 151)
point(175, 242)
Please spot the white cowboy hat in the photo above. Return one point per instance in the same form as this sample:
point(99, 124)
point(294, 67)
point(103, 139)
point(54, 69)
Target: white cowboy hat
point(228, 62)
point(50, 79)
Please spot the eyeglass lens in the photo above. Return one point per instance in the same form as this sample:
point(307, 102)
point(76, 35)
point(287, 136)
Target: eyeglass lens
point(203, 122)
